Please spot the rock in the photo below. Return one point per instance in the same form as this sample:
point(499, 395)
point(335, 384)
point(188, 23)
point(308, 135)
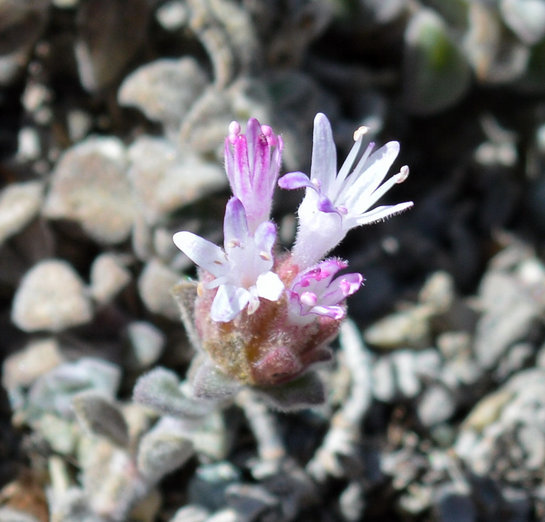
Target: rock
point(384, 386)
point(164, 90)
point(165, 178)
point(51, 297)
point(155, 283)
point(526, 18)
point(108, 277)
point(23, 367)
point(90, 186)
point(510, 317)
point(19, 204)
point(408, 328)
point(436, 405)
point(146, 343)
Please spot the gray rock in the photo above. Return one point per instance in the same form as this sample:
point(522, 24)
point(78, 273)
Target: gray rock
point(51, 297)
point(408, 328)
point(384, 385)
point(164, 90)
point(510, 316)
point(526, 18)
point(437, 404)
point(154, 284)
point(146, 343)
point(37, 358)
point(19, 204)
point(165, 178)
point(90, 186)
point(405, 367)
point(108, 277)
point(172, 15)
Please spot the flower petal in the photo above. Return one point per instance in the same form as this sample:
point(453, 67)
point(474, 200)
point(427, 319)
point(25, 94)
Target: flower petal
point(381, 213)
point(235, 225)
point(295, 180)
point(229, 301)
point(324, 153)
point(269, 286)
point(201, 251)
point(265, 237)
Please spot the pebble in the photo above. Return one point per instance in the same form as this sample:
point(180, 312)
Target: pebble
point(23, 367)
point(510, 315)
point(19, 204)
point(165, 178)
point(108, 277)
point(436, 405)
point(51, 297)
point(408, 328)
point(155, 284)
point(526, 18)
point(164, 90)
point(90, 186)
point(146, 342)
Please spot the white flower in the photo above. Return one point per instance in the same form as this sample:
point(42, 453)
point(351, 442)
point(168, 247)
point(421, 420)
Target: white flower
point(243, 270)
point(335, 203)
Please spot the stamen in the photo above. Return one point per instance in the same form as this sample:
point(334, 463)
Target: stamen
point(402, 175)
point(360, 132)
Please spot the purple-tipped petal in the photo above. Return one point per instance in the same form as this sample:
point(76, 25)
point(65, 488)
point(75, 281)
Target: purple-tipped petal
point(294, 181)
point(265, 237)
point(235, 225)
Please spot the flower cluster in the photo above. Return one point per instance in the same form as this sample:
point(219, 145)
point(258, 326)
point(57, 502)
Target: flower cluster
point(263, 318)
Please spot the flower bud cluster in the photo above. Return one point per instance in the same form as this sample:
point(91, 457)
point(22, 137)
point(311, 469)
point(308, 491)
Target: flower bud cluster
point(263, 318)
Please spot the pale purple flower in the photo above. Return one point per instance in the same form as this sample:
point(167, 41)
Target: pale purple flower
point(335, 203)
point(242, 270)
point(316, 292)
point(252, 163)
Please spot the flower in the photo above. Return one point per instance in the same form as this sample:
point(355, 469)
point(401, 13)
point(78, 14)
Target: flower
point(263, 318)
point(252, 163)
point(314, 292)
point(242, 271)
point(336, 203)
